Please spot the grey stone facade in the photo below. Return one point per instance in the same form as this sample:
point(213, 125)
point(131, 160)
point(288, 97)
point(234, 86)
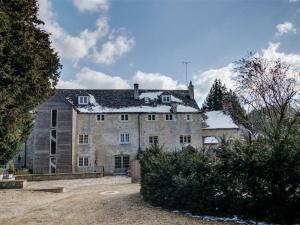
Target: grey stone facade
point(111, 128)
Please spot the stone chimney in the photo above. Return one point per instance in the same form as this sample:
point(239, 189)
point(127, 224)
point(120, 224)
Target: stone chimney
point(136, 91)
point(191, 90)
point(174, 107)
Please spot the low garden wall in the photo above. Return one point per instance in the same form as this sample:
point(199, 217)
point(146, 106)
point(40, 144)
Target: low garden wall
point(59, 176)
point(12, 184)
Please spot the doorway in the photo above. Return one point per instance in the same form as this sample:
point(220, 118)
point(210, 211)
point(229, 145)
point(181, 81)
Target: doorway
point(122, 164)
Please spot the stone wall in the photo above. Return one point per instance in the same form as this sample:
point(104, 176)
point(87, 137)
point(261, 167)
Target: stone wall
point(219, 133)
point(104, 136)
point(12, 184)
point(58, 176)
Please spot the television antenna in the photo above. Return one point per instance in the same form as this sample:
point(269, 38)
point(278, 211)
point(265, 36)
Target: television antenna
point(186, 70)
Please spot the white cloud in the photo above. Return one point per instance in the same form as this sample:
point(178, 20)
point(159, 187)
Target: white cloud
point(71, 47)
point(84, 44)
point(204, 79)
point(272, 53)
point(87, 78)
point(118, 44)
point(293, 1)
point(156, 81)
point(91, 5)
point(285, 27)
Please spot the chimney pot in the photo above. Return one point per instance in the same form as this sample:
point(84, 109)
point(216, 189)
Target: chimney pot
point(191, 90)
point(136, 91)
point(174, 107)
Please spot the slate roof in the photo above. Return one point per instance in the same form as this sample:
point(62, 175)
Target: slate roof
point(124, 99)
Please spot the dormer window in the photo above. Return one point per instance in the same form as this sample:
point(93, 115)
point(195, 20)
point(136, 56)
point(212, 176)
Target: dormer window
point(166, 98)
point(147, 100)
point(83, 100)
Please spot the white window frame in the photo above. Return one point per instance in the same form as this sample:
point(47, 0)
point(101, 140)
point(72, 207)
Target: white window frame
point(84, 164)
point(124, 138)
point(101, 116)
point(185, 139)
point(125, 116)
point(168, 116)
point(151, 117)
point(84, 139)
point(166, 98)
point(147, 99)
point(83, 100)
point(188, 117)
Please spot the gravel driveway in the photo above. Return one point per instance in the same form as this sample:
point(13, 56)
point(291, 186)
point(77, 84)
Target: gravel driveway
point(108, 200)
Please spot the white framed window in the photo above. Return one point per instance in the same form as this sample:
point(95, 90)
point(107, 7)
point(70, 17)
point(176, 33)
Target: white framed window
point(147, 99)
point(188, 117)
point(166, 98)
point(185, 139)
point(83, 100)
point(124, 138)
point(83, 139)
point(100, 117)
point(83, 161)
point(153, 140)
point(124, 117)
point(169, 117)
point(151, 117)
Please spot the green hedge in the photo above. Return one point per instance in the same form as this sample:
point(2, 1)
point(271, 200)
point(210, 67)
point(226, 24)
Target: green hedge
point(251, 180)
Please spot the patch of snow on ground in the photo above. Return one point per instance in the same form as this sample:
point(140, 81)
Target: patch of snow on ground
point(233, 219)
point(219, 120)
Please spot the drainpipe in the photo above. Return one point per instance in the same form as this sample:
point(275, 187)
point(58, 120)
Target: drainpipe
point(139, 125)
point(25, 154)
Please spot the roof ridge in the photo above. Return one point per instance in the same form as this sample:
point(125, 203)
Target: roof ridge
point(77, 89)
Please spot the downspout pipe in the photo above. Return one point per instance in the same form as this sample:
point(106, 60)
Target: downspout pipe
point(139, 130)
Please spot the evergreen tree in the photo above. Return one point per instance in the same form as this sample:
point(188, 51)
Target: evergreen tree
point(219, 98)
point(214, 100)
point(29, 69)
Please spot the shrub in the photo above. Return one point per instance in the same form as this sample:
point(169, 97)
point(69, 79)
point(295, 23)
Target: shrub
point(255, 180)
point(11, 168)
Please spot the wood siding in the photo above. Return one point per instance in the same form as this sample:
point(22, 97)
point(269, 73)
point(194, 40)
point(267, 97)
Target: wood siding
point(39, 141)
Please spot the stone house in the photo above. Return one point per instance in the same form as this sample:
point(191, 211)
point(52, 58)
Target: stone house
point(79, 130)
point(219, 124)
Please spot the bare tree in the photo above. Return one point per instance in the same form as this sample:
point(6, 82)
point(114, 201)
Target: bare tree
point(270, 90)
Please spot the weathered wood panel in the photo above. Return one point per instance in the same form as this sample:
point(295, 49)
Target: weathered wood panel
point(39, 141)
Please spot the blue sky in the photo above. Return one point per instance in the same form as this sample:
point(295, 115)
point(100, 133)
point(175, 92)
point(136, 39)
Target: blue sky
point(112, 44)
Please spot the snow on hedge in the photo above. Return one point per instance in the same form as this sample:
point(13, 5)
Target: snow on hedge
point(219, 120)
point(211, 140)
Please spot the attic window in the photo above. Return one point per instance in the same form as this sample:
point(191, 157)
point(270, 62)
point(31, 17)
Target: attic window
point(83, 100)
point(166, 98)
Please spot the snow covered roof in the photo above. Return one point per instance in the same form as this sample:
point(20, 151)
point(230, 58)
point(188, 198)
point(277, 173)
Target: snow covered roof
point(119, 101)
point(210, 140)
point(218, 120)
